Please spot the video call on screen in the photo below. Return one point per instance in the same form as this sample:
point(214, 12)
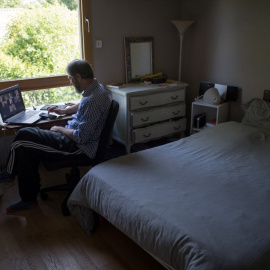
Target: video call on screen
point(11, 102)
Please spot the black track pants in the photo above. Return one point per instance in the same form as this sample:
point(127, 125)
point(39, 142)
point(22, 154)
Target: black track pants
point(30, 146)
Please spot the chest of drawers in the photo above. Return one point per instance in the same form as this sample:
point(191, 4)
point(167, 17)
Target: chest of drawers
point(148, 112)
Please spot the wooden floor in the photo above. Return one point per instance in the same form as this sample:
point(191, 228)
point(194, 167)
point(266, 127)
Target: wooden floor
point(42, 238)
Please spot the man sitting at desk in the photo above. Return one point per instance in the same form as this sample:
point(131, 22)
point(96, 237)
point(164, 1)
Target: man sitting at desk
point(79, 137)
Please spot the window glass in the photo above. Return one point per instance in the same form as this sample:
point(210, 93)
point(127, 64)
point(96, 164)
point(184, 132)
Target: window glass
point(38, 39)
point(50, 96)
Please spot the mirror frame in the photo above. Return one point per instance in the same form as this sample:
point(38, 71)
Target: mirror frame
point(127, 42)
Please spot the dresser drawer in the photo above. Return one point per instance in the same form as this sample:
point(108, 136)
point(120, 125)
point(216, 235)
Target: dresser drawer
point(153, 100)
point(159, 130)
point(140, 118)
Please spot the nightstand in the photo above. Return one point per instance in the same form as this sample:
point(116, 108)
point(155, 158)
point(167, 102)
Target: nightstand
point(219, 113)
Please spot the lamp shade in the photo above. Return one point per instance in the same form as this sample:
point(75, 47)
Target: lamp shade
point(182, 25)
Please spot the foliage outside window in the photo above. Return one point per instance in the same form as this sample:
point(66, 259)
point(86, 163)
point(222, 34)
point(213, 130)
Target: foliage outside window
point(39, 40)
point(49, 96)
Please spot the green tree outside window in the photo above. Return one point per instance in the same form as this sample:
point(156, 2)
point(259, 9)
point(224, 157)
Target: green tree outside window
point(40, 42)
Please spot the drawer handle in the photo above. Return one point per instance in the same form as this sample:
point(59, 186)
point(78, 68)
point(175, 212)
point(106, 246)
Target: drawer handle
point(175, 97)
point(175, 113)
point(176, 128)
point(147, 136)
point(143, 103)
point(144, 120)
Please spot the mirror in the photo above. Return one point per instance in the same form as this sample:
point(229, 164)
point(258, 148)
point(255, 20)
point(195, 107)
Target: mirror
point(138, 57)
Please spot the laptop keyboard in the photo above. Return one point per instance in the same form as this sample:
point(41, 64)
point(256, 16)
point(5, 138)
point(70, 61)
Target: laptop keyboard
point(24, 115)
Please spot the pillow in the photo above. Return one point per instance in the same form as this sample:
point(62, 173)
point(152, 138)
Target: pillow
point(257, 114)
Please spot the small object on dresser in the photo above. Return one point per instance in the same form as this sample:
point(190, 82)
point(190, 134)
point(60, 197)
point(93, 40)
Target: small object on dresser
point(158, 80)
point(116, 85)
point(199, 120)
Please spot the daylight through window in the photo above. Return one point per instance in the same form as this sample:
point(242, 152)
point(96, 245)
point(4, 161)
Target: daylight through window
point(37, 39)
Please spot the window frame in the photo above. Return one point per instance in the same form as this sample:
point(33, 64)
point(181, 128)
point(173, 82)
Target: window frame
point(41, 83)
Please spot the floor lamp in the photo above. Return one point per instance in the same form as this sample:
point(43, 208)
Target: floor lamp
point(181, 26)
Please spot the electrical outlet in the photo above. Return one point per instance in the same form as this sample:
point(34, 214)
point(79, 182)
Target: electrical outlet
point(98, 44)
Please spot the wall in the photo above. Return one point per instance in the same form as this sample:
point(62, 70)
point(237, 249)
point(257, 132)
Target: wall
point(5, 143)
point(114, 20)
point(228, 44)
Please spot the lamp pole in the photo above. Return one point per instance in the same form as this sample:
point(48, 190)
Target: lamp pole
point(181, 26)
point(180, 57)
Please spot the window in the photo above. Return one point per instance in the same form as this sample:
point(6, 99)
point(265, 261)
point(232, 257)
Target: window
point(38, 40)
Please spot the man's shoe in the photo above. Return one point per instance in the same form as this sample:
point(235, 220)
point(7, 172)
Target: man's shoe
point(21, 206)
point(6, 177)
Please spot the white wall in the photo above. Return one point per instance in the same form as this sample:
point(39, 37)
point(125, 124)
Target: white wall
point(114, 20)
point(228, 44)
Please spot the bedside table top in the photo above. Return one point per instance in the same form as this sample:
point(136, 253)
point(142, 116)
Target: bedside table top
point(203, 103)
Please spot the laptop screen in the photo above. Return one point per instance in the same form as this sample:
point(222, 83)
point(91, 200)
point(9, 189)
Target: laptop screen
point(11, 102)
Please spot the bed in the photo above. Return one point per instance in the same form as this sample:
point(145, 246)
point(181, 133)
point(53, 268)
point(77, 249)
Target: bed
point(202, 202)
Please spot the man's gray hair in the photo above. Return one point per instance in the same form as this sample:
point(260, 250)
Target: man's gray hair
point(82, 67)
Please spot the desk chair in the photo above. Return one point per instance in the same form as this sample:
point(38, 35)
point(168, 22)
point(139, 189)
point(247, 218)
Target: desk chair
point(73, 177)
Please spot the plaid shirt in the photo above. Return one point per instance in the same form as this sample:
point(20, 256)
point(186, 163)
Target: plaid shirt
point(90, 118)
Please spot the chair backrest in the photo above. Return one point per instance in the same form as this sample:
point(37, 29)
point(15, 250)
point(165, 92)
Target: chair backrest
point(106, 133)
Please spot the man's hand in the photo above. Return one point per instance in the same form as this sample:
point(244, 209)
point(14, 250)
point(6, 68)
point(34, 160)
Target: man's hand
point(56, 128)
point(66, 131)
point(55, 109)
point(67, 110)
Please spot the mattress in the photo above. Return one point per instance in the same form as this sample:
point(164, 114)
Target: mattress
point(201, 202)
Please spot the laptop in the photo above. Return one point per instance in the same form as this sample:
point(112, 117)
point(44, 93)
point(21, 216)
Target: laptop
point(12, 108)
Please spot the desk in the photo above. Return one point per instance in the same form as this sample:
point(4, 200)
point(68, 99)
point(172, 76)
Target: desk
point(44, 124)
